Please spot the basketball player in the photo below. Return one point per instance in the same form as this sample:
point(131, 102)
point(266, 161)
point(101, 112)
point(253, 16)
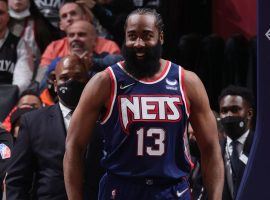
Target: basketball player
point(144, 104)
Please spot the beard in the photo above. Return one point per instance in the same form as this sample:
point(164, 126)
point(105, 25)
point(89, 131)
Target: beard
point(146, 67)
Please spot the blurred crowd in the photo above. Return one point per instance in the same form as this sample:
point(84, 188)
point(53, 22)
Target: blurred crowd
point(50, 49)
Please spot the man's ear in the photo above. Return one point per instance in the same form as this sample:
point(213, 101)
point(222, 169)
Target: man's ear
point(161, 37)
point(250, 113)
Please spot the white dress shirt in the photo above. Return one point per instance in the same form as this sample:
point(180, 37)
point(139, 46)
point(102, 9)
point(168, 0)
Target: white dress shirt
point(66, 113)
point(240, 146)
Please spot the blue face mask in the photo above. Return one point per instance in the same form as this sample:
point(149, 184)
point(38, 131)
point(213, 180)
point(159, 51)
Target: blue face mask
point(70, 92)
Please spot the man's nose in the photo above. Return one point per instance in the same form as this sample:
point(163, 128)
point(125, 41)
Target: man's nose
point(228, 114)
point(69, 18)
point(139, 43)
point(75, 37)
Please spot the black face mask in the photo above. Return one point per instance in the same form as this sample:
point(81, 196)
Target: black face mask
point(70, 92)
point(234, 127)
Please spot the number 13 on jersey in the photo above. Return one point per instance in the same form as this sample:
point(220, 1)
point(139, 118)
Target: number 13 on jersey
point(157, 149)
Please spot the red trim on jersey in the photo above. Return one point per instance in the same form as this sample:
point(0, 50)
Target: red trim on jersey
point(151, 81)
point(184, 90)
point(109, 103)
point(187, 149)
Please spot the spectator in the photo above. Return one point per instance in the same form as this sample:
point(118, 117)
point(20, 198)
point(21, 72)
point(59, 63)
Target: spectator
point(50, 10)
point(48, 95)
point(69, 13)
point(28, 23)
point(16, 122)
point(236, 112)
point(42, 126)
point(40, 146)
point(16, 61)
point(81, 42)
point(28, 99)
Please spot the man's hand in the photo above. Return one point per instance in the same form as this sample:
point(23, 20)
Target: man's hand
point(89, 3)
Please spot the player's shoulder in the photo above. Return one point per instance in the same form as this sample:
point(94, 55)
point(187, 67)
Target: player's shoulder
point(102, 77)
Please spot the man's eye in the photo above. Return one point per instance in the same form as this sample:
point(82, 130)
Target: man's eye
point(70, 35)
point(63, 16)
point(223, 111)
point(235, 109)
point(132, 37)
point(147, 36)
point(73, 13)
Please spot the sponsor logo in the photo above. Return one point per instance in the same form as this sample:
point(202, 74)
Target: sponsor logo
point(4, 151)
point(179, 194)
point(122, 87)
point(172, 83)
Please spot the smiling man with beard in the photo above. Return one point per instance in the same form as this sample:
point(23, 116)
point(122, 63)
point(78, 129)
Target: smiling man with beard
point(142, 61)
point(144, 104)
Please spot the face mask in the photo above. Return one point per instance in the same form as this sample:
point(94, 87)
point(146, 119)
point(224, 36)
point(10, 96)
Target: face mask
point(70, 92)
point(19, 15)
point(234, 127)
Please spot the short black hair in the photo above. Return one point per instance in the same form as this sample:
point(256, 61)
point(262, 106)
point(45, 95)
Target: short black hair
point(244, 92)
point(148, 11)
point(30, 92)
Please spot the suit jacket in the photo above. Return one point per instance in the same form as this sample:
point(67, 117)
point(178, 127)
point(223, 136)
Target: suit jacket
point(6, 144)
point(227, 192)
point(36, 168)
point(37, 157)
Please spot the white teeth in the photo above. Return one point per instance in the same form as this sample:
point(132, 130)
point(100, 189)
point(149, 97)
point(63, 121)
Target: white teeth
point(140, 54)
point(77, 46)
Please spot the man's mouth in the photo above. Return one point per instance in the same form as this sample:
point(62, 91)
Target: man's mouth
point(140, 55)
point(77, 46)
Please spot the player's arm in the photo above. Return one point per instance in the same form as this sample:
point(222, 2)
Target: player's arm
point(205, 128)
point(93, 98)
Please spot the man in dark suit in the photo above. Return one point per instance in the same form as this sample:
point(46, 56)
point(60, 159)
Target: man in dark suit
point(36, 168)
point(6, 145)
point(236, 113)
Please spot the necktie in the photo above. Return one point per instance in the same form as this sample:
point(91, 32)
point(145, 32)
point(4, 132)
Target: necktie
point(235, 166)
point(235, 156)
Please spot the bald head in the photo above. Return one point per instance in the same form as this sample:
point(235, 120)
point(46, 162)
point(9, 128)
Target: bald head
point(69, 67)
point(71, 77)
point(81, 37)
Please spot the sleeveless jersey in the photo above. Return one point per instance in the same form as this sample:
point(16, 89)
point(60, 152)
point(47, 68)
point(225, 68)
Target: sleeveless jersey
point(145, 125)
point(8, 58)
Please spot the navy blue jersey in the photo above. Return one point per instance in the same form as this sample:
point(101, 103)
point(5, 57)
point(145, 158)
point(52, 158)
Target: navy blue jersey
point(145, 125)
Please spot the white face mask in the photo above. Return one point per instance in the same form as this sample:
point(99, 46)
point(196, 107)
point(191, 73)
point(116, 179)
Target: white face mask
point(19, 15)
